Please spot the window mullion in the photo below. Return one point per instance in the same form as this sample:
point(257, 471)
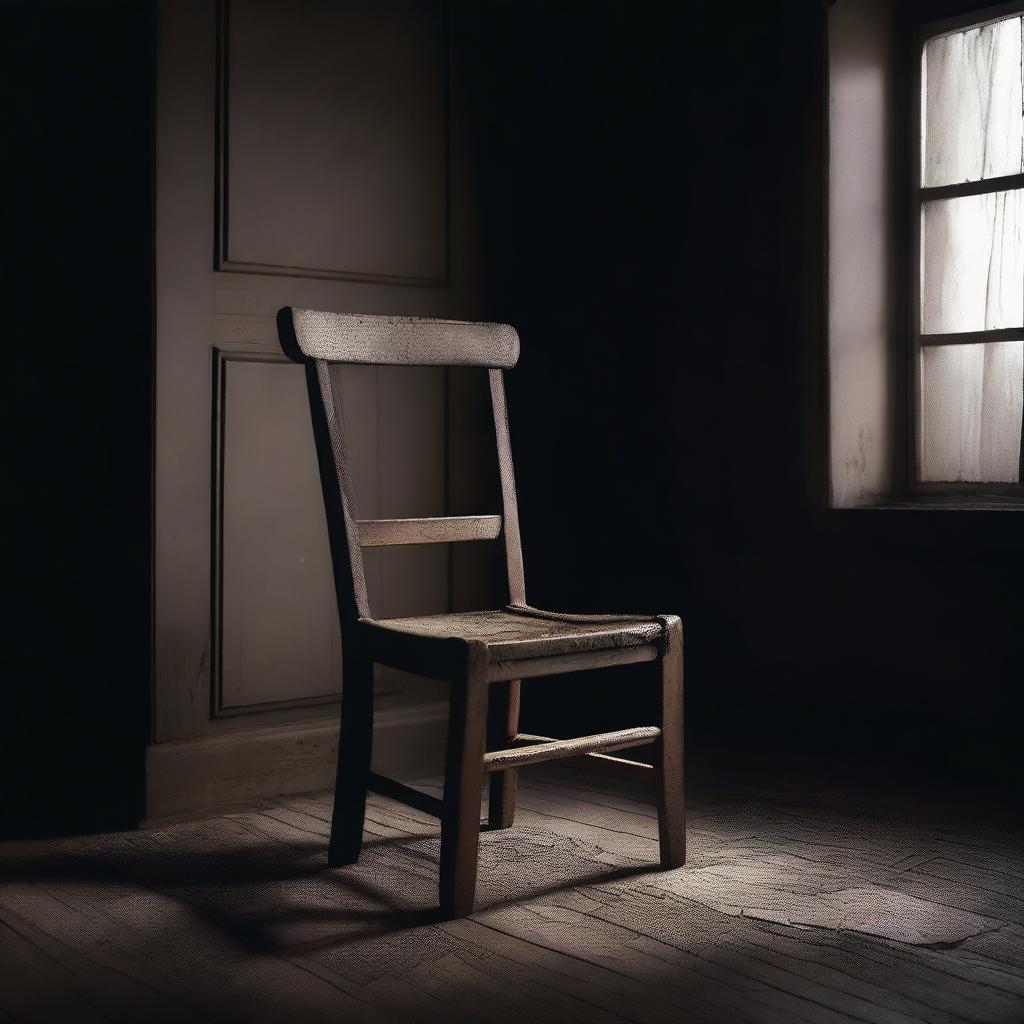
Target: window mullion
point(974, 337)
point(1005, 183)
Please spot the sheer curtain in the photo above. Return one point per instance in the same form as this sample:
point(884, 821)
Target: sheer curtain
point(971, 104)
point(972, 254)
point(972, 263)
point(971, 402)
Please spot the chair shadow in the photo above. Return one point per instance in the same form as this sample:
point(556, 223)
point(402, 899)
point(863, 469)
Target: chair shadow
point(205, 885)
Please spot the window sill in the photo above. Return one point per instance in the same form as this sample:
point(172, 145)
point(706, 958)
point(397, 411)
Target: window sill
point(995, 504)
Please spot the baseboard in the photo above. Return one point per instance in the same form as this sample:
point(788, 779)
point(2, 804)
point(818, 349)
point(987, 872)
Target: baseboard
point(195, 776)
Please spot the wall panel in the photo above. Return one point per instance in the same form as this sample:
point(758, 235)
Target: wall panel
point(278, 639)
point(333, 123)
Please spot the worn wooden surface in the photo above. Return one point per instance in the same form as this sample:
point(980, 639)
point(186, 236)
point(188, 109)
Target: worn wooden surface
point(403, 340)
point(503, 702)
point(512, 634)
point(509, 502)
point(392, 532)
point(669, 749)
point(510, 644)
point(546, 749)
point(578, 661)
point(463, 779)
point(798, 904)
point(355, 751)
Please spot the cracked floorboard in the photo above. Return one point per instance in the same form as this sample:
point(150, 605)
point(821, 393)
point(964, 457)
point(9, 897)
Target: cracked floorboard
point(795, 905)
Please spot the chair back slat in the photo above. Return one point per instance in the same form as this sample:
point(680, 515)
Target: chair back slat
point(513, 545)
point(380, 533)
point(403, 341)
point(319, 339)
point(339, 498)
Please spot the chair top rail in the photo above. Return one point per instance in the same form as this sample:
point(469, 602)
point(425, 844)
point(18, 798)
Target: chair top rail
point(402, 341)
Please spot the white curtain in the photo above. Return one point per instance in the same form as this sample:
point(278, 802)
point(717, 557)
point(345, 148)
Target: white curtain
point(972, 263)
point(972, 255)
point(972, 397)
point(971, 125)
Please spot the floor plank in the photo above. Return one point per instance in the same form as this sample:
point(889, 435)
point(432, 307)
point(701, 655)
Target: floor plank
point(797, 904)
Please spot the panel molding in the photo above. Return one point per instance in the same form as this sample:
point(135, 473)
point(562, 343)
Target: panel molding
point(222, 260)
point(218, 707)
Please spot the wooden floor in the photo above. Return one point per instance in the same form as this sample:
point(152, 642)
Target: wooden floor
point(795, 905)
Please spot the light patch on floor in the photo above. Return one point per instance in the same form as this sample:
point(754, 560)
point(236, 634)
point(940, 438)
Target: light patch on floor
point(751, 888)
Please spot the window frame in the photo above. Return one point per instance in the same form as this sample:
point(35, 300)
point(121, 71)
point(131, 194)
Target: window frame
point(918, 195)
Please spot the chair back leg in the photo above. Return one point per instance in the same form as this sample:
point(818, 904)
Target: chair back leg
point(463, 779)
point(669, 763)
point(355, 746)
point(502, 726)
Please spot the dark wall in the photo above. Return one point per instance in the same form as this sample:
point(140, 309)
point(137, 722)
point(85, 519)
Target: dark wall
point(77, 401)
point(654, 199)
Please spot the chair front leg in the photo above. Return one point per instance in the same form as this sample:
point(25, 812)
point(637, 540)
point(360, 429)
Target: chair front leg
point(355, 746)
point(463, 777)
point(671, 798)
point(502, 726)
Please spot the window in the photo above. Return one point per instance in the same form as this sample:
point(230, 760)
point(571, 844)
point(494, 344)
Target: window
point(968, 257)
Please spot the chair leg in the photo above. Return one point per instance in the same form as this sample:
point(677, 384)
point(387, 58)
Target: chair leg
point(502, 726)
point(355, 746)
point(671, 799)
point(463, 777)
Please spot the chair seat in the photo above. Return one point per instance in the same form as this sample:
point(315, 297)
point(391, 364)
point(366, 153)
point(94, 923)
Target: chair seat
point(521, 632)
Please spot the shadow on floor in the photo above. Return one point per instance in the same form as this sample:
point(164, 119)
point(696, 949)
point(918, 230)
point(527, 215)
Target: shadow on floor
point(268, 897)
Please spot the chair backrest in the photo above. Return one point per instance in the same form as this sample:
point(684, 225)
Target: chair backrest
point(321, 338)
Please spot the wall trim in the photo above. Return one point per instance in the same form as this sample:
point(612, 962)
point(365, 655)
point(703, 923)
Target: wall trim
point(189, 777)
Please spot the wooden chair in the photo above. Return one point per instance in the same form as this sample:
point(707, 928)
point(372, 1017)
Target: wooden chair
point(483, 655)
